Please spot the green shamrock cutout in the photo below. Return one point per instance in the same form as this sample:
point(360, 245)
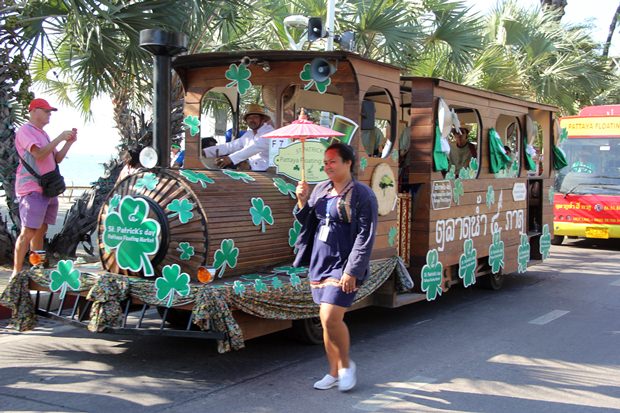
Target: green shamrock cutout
point(260, 286)
point(173, 281)
point(239, 176)
point(195, 177)
point(284, 187)
point(182, 208)
point(451, 174)
point(386, 182)
point(226, 255)
point(458, 191)
point(186, 250)
point(295, 280)
point(563, 136)
point(132, 234)
point(238, 287)
point(545, 242)
point(496, 253)
point(63, 277)
point(523, 253)
point(464, 173)
point(551, 195)
point(490, 199)
point(261, 213)
point(193, 123)
point(276, 283)
point(114, 202)
point(239, 76)
point(431, 274)
point(467, 263)
point(290, 270)
point(473, 167)
point(363, 164)
point(392, 236)
point(306, 76)
point(148, 181)
point(293, 233)
point(395, 156)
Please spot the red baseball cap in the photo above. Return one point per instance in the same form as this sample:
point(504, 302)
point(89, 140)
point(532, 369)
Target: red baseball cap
point(40, 104)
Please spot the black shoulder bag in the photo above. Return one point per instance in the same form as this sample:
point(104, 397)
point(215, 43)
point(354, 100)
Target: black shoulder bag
point(53, 183)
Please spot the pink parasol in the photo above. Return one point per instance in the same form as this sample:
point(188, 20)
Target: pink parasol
point(302, 129)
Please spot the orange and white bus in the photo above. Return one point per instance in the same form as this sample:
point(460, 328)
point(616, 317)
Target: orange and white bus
point(587, 189)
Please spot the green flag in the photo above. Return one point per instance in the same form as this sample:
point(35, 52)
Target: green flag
point(439, 157)
point(499, 159)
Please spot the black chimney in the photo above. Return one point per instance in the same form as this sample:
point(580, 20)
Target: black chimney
point(163, 45)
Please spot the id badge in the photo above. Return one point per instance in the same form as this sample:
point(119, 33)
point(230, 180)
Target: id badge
point(324, 233)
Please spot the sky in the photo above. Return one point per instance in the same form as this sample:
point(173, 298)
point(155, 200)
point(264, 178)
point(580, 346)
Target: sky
point(99, 137)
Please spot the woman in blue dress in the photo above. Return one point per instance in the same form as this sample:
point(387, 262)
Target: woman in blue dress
point(339, 221)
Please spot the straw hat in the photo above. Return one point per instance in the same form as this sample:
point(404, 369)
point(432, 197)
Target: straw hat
point(254, 109)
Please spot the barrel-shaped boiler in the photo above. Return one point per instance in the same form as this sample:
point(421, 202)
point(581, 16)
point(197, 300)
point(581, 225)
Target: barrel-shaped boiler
point(230, 222)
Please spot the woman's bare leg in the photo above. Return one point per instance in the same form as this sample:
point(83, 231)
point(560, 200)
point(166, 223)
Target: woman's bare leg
point(335, 337)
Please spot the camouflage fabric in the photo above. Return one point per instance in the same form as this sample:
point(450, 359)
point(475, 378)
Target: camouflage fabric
point(16, 296)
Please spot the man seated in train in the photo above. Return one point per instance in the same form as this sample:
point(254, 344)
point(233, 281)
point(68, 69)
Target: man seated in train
point(461, 150)
point(250, 151)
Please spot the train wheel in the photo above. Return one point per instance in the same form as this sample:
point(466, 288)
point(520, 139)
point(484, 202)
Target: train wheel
point(492, 281)
point(557, 240)
point(308, 330)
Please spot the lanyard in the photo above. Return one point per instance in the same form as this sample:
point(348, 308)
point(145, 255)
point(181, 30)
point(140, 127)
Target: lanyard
point(330, 202)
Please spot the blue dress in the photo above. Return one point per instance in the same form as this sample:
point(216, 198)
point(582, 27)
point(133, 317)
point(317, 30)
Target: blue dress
point(330, 256)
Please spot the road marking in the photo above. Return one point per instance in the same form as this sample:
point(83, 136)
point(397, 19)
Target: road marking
point(549, 317)
point(616, 283)
point(398, 393)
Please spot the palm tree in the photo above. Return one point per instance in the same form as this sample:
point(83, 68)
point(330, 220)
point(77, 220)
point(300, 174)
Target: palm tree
point(612, 29)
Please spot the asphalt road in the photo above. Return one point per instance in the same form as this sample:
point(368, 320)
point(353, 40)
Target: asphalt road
point(549, 341)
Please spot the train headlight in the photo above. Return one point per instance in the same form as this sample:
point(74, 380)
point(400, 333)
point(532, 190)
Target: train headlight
point(148, 157)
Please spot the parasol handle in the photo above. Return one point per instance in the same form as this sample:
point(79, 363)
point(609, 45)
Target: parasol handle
point(303, 160)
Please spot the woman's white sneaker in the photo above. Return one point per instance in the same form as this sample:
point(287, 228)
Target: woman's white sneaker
point(326, 382)
point(347, 378)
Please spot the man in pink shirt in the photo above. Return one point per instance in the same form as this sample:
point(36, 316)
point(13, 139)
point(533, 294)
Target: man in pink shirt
point(36, 211)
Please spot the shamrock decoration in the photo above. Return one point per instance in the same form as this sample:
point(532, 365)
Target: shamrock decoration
point(293, 233)
point(464, 173)
point(148, 181)
point(193, 123)
point(363, 163)
point(186, 250)
point(523, 253)
point(238, 287)
point(563, 136)
point(114, 202)
point(295, 280)
point(132, 234)
point(496, 253)
point(473, 167)
point(490, 196)
point(226, 255)
point(386, 182)
point(239, 76)
point(545, 242)
point(451, 174)
point(173, 281)
point(458, 191)
point(195, 177)
point(395, 156)
point(467, 263)
point(260, 286)
point(182, 208)
point(276, 283)
point(260, 213)
point(284, 187)
point(291, 270)
point(551, 194)
point(431, 274)
point(64, 276)
point(239, 176)
point(306, 76)
point(392, 236)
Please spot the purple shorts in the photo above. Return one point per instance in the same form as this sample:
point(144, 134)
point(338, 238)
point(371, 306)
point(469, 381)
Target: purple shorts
point(36, 210)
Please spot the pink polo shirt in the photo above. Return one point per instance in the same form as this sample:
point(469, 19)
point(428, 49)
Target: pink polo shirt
point(26, 137)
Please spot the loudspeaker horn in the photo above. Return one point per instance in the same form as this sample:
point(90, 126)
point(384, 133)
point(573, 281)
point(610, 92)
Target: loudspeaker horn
point(321, 69)
point(315, 29)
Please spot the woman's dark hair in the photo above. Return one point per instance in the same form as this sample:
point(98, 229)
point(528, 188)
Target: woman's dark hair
point(345, 152)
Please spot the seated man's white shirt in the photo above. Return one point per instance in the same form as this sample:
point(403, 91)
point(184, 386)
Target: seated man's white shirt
point(251, 146)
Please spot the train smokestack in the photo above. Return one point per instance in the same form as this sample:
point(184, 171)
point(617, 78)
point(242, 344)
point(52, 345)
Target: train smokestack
point(162, 45)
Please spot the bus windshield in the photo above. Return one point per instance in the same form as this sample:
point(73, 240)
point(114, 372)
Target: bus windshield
point(593, 166)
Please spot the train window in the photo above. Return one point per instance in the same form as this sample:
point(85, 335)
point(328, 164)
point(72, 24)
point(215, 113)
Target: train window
point(378, 128)
point(216, 115)
point(510, 132)
point(465, 143)
point(535, 147)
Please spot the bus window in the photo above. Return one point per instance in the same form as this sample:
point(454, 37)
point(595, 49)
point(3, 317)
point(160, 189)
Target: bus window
point(509, 130)
point(465, 143)
point(378, 128)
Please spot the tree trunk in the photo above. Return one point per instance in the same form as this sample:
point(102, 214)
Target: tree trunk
point(612, 29)
point(560, 5)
